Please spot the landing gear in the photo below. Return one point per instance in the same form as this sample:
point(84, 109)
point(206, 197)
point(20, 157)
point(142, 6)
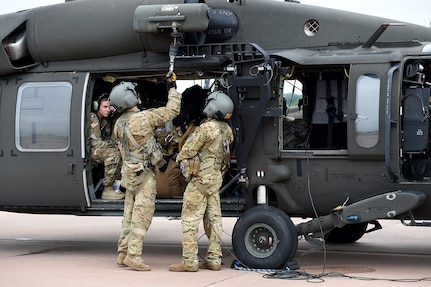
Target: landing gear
point(264, 237)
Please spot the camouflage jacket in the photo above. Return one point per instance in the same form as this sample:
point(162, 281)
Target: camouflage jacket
point(209, 143)
point(141, 125)
point(100, 133)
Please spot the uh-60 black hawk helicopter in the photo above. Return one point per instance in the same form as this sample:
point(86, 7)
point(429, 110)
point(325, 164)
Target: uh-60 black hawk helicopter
point(347, 147)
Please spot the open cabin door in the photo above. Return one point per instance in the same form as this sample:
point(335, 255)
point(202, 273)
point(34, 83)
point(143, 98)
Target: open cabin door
point(41, 156)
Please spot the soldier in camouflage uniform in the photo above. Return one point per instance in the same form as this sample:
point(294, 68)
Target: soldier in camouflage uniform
point(204, 158)
point(103, 148)
point(141, 154)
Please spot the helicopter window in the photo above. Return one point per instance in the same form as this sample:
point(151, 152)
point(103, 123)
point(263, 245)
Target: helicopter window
point(367, 110)
point(42, 116)
point(295, 128)
point(292, 93)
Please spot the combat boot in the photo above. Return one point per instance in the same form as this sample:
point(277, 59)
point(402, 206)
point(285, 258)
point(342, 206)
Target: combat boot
point(136, 263)
point(110, 193)
point(206, 265)
point(180, 267)
point(121, 257)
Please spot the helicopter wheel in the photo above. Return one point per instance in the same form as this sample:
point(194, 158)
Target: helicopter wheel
point(264, 237)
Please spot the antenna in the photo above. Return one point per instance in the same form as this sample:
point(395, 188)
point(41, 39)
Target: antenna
point(370, 42)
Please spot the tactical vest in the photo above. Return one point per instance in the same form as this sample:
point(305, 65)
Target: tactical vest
point(219, 147)
point(148, 154)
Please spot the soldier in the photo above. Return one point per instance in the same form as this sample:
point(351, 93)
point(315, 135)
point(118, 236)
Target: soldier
point(103, 148)
point(141, 154)
point(203, 159)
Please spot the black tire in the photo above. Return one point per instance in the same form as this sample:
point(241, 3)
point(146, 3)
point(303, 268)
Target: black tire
point(347, 234)
point(264, 237)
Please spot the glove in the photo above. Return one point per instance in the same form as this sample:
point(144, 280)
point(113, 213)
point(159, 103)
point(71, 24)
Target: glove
point(171, 81)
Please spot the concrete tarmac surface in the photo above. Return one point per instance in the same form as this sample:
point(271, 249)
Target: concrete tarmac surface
point(65, 250)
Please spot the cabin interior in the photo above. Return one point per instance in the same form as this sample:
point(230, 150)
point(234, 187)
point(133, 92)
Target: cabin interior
point(315, 115)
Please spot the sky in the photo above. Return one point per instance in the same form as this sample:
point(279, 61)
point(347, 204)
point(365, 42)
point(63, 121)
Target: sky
point(413, 11)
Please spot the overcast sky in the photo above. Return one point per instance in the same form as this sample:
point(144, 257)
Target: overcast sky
point(413, 11)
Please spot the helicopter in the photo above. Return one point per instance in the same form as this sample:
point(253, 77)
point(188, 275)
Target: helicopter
point(331, 118)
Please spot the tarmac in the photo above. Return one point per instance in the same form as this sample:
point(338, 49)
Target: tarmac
point(65, 250)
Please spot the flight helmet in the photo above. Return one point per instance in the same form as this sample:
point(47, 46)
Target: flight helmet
point(124, 96)
point(218, 106)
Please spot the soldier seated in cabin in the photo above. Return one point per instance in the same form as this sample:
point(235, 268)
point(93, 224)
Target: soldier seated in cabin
point(104, 149)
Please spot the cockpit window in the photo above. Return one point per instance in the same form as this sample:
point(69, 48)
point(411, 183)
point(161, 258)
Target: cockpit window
point(43, 117)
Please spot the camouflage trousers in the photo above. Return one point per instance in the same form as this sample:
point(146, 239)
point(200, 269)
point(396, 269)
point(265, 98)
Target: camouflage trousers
point(139, 206)
point(198, 207)
point(111, 159)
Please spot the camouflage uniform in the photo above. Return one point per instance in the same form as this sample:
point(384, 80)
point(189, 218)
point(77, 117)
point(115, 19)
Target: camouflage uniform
point(209, 143)
point(140, 153)
point(103, 149)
